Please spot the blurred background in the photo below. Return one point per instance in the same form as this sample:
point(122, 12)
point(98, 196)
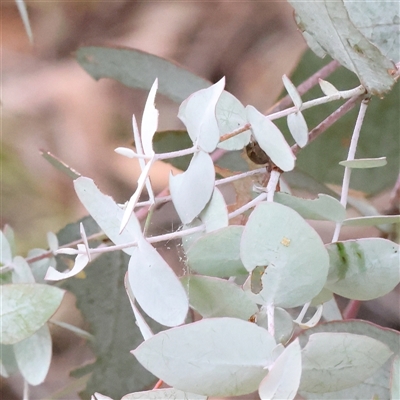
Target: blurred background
point(49, 102)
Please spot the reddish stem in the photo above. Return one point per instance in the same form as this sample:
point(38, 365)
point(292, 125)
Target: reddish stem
point(158, 384)
point(351, 310)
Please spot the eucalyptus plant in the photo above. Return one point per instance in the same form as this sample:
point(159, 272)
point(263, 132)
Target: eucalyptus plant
point(263, 285)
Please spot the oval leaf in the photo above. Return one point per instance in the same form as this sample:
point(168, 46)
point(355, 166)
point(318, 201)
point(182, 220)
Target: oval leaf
point(283, 378)
point(270, 139)
point(292, 92)
point(335, 361)
point(325, 207)
point(197, 112)
point(214, 297)
point(365, 163)
point(138, 69)
point(191, 190)
point(33, 356)
point(327, 88)
point(298, 128)
point(156, 287)
point(296, 261)
point(215, 214)
point(217, 253)
point(107, 213)
point(227, 359)
point(363, 269)
point(26, 307)
point(231, 115)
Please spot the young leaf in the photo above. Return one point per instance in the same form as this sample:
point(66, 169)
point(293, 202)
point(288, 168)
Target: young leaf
point(217, 253)
point(283, 378)
point(335, 361)
point(296, 261)
point(52, 241)
point(149, 121)
point(270, 139)
point(364, 163)
point(5, 251)
point(215, 214)
point(363, 269)
point(135, 68)
point(227, 359)
point(156, 287)
point(231, 115)
point(298, 128)
point(106, 213)
point(292, 92)
point(327, 88)
point(33, 356)
point(197, 112)
point(164, 394)
point(214, 297)
point(26, 307)
point(324, 207)
point(192, 189)
point(81, 261)
point(329, 24)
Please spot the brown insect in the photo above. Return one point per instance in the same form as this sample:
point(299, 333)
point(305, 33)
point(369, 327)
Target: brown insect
point(257, 154)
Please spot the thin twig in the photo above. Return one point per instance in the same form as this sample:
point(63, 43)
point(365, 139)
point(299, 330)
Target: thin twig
point(350, 156)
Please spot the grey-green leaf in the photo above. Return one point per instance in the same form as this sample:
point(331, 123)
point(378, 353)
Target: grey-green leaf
point(324, 207)
point(213, 357)
point(336, 361)
point(214, 297)
point(135, 68)
point(363, 269)
point(296, 262)
point(365, 163)
point(330, 25)
point(26, 307)
point(217, 253)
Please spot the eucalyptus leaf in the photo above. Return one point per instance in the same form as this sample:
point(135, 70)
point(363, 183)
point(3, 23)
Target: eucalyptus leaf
point(324, 207)
point(215, 214)
point(363, 269)
point(23, 12)
point(298, 128)
point(364, 163)
point(372, 221)
point(5, 253)
point(330, 25)
point(135, 68)
point(191, 190)
point(335, 361)
point(107, 213)
point(33, 356)
point(217, 253)
point(378, 383)
point(40, 267)
point(22, 272)
point(283, 377)
point(213, 357)
point(327, 88)
point(156, 287)
point(214, 297)
point(164, 394)
point(26, 307)
point(270, 139)
point(231, 115)
point(296, 261)
point(149, 121)
point(197, 112)
point(395, 379)
point(292, 92)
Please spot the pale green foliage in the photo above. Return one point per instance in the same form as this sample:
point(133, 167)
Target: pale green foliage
point(244, 281)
